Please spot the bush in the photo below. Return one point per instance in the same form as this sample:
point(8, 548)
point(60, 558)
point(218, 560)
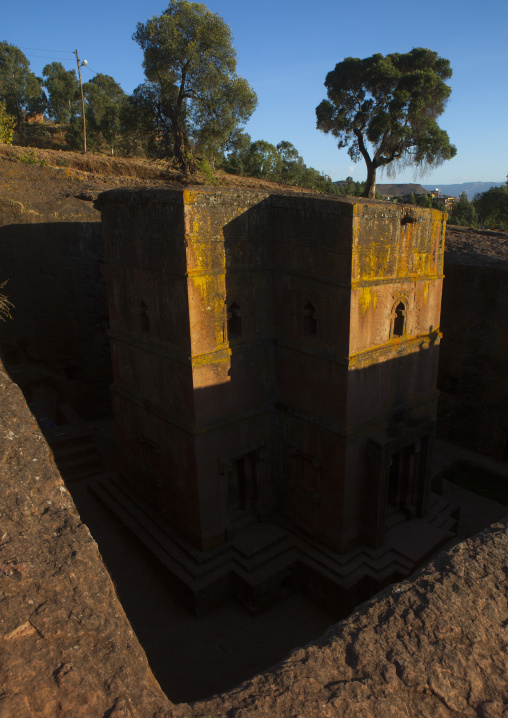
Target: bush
point(5, 304)
point(7, 124)
point(30, 158)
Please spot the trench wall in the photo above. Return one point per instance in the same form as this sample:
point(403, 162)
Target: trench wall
point(56, 345)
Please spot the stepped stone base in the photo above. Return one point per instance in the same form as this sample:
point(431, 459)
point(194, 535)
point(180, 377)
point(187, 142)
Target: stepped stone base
point(261, 562)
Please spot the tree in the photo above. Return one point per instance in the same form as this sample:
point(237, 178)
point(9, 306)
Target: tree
point(464, 213)
point(63, 92)
point(424, 200)
point(20, 89)
point(7, 124)
point(293, 167)
point(492, 207)
point(104, 102)
point(190, 62)
point(142, 129)
point(390, 103)
point(263, 160)
point(350, 188)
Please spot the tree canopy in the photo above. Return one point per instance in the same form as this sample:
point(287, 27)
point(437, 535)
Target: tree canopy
point(492, 207)
point(464, 213)
point(63, 92)
point(384, 109)
point(20, 89)
point(190, 65)
point(104, 99)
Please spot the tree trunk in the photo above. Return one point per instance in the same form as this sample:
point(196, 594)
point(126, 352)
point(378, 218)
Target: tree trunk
point(179, 148)
point(370, 185)
point(372, 165)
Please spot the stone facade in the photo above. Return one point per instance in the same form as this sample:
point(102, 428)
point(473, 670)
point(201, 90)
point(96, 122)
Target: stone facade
point(274, 360)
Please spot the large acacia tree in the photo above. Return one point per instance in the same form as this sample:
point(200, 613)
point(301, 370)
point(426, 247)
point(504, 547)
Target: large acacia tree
point(384, 109)
point(190, 63)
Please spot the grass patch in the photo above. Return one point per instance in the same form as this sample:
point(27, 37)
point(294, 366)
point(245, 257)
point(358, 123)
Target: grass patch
point(30, 158)
point(479, 481)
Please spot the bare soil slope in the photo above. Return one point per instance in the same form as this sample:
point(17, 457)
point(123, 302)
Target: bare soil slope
point(64, 174)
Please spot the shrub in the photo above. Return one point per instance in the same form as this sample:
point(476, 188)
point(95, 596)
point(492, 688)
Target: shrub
point(5, 304)
point(30, 158)
point(7, 124)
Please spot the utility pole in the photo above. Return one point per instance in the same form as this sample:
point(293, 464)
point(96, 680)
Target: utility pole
point(82, 99)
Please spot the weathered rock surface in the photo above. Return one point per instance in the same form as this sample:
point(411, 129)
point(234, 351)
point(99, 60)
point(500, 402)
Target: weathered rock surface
point(66, 647)
point(433, 646)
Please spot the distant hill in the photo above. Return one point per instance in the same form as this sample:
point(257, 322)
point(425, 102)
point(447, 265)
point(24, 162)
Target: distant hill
point(455, 190)
point(395, 190)
point(399, 190)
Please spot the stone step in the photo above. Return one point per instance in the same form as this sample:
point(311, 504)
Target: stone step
point(393, 518)
point(358, 566)
point(79, 469)
point(74, 449)
point(67, 443)
point(442, 515)
point(70, 459)
point(176, 555)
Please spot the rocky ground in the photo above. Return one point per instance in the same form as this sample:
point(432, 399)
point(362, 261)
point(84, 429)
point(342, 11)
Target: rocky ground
point(66, 647)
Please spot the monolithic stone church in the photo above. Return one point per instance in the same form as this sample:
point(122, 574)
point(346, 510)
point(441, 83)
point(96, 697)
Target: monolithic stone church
point(275, 360)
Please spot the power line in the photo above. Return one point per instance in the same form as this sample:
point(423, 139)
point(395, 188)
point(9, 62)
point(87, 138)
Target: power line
point(48, 57)
point(39, 49)
point(94, 72)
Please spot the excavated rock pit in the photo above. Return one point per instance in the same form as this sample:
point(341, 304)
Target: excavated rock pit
point(431, 646)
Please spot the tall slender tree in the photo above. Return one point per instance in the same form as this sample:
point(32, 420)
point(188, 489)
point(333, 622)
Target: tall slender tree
point(190, 62)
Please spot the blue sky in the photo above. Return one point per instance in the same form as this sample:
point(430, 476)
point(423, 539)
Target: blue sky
point(285, 50)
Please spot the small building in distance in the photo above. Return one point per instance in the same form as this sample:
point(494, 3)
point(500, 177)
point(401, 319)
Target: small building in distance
point(275, 362)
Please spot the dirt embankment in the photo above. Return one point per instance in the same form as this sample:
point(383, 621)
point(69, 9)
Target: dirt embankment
point(38, 177)
point(475, 246)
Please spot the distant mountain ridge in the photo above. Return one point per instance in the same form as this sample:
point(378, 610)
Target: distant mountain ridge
point(400, 190)
point(452, 190)
point(470, 188)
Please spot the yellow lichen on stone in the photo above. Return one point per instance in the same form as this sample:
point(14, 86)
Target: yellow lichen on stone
point(188, 196)
point(367, 297)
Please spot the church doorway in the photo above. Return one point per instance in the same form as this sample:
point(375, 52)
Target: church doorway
point(405, 481)
point(242, 485)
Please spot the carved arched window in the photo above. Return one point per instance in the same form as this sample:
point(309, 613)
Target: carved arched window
point(234, 321)
point(144, 317)
point(399, 320)
point(309, 319)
